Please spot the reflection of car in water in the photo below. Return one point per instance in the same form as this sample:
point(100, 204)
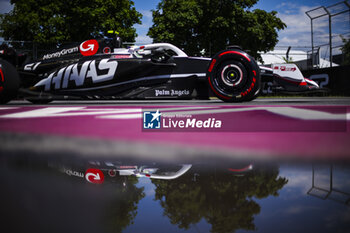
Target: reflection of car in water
point(241, 170)
point(98, 69)
point(209, 190)
point(154, 172)
point(100, 171)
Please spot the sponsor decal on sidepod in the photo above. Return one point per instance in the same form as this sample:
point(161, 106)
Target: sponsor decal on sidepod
point(87, 70)
point(60, 53)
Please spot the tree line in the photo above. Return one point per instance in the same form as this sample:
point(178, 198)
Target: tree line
point(193, 25)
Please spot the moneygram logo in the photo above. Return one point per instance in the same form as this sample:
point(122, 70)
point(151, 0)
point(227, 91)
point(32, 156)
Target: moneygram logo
point(89, 47)
point(152, 120)
point(94, 176)
point(60, 53)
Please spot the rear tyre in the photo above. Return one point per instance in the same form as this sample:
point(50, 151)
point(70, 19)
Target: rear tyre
point(9, 82)
point(234, 76)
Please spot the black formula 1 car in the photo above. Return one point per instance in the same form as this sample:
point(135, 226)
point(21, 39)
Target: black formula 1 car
point(96, 69)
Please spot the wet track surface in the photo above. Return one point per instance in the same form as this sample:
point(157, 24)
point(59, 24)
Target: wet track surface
point(70, 193)
point(274, 165)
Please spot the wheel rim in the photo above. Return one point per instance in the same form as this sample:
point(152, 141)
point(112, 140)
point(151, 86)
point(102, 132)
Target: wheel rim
point(232, 75)
point(230, 79)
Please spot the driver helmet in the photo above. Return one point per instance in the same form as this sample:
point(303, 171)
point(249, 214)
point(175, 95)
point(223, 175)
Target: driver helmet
point(116, 39)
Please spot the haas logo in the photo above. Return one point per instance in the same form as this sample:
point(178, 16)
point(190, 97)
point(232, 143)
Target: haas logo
point(89, 47)
point(79, 72)
point(94, 176)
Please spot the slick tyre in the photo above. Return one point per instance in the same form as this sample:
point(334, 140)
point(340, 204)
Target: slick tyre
point(9, 82)
point(234, 76)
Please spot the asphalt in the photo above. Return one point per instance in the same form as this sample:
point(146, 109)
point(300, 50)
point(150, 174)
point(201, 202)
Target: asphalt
point(311, 128)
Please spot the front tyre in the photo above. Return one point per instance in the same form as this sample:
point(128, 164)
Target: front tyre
point(234, 76)
point(9, 82)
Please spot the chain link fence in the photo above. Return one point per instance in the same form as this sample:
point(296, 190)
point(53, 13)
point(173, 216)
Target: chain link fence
point(329, 27)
